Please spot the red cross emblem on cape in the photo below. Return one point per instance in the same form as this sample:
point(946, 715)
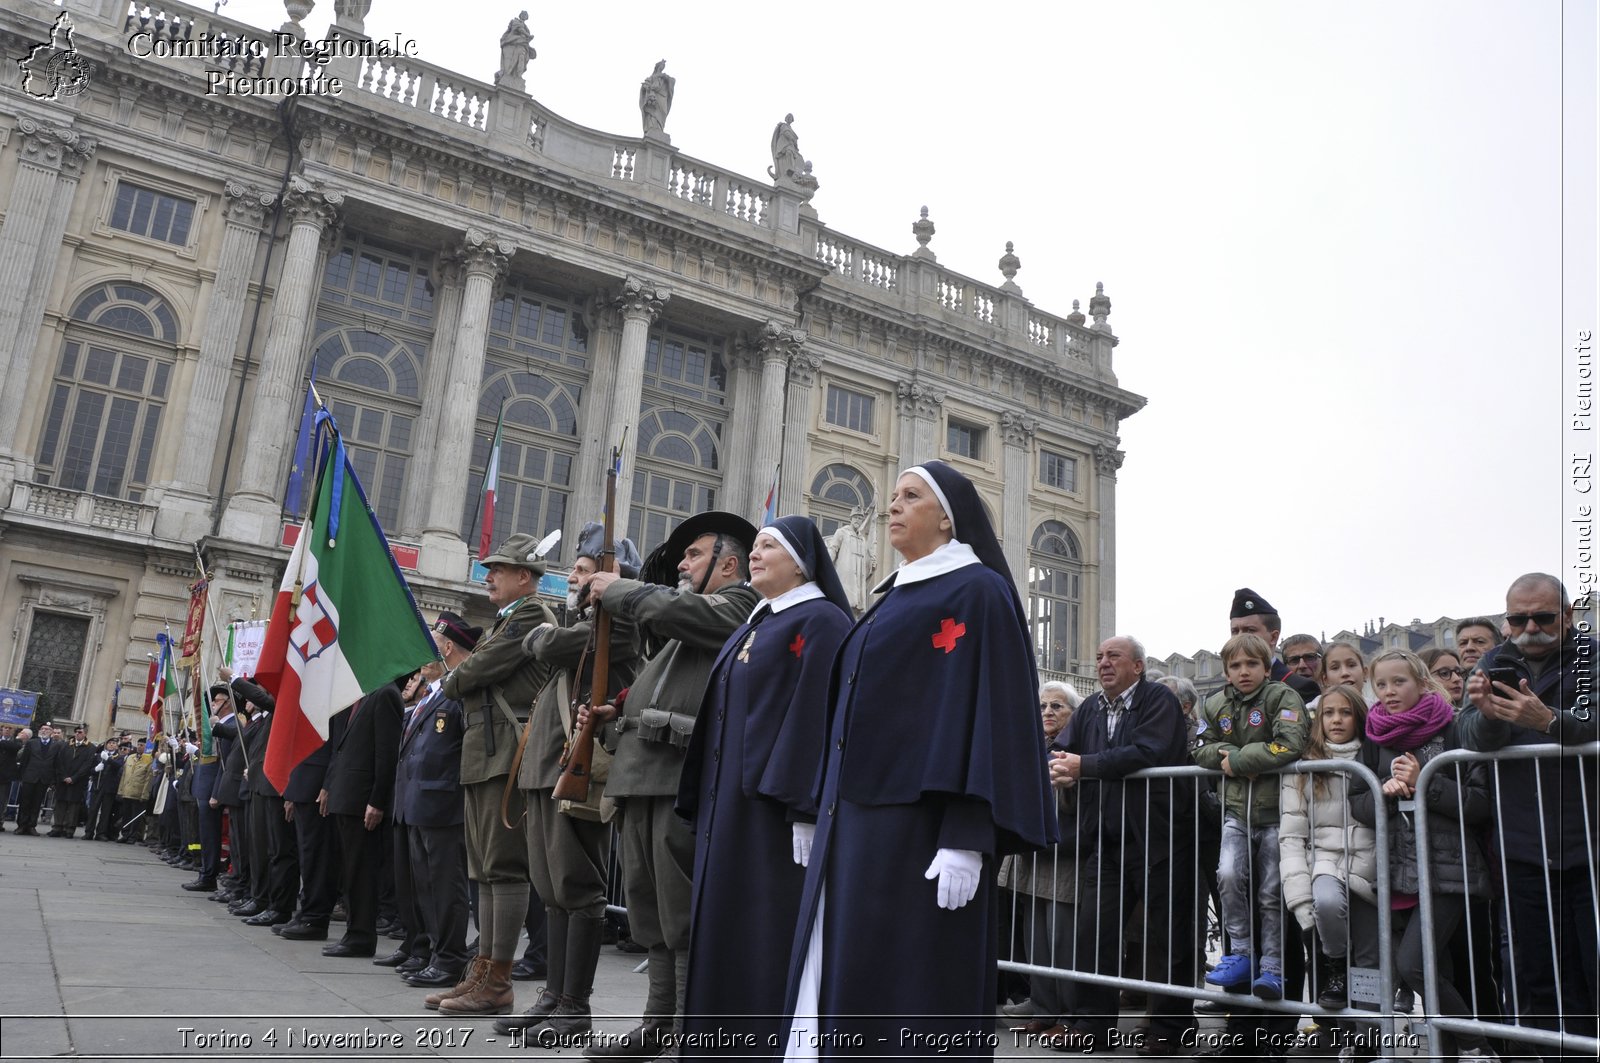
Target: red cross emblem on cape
point(949, 632)
point(314, 630)
point(797, 645)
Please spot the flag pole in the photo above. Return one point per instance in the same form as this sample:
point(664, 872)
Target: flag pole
point(477, 509)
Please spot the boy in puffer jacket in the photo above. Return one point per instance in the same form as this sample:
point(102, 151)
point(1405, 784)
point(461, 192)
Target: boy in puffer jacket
point(1251, 726)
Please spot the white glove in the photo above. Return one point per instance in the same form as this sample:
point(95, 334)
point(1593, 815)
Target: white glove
point(104, 756)
point(99, 767)
point(172, 742)
point(190, 748)
point(163, 758)
point(957, 871)
point(803, 833)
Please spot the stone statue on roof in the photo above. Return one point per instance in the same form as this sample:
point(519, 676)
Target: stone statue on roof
point(516, 48)
point(787, 162)
point(655, 100)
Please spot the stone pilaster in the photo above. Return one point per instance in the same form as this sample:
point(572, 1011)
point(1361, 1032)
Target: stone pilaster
point(797, 412)
point(594, 429)
point(1016, 449)
point(484, 258)
point(638, 303)
point(185, 507)
point(50, 160)
point(254, 509)
point(777, 346)
point(918, 406)
point(1107, 460)
point(744, 399)
point(449, 282)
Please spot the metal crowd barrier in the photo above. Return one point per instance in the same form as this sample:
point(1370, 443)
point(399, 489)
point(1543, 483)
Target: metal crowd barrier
point(1192, 875)
point(1499, 936)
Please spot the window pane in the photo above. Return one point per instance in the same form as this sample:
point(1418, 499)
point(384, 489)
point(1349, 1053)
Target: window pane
point(98, 365)
point(113, 463)
point(130, 377)
point(147, 445)
point(182, 217)
point(52, 424)
point(78, 459)
point(122, 211)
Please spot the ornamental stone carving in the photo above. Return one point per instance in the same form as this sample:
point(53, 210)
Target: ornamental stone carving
point(245, 205)
point(1009, 264)
point(640, 298)
point(54, 148)
point(917, 399)
point(803, 368)
point(1108, 459)
point(485, 252)
point(307, 201)
point(1016, 429)
point(1100, 307)
point(779, 342)
point(922, 229)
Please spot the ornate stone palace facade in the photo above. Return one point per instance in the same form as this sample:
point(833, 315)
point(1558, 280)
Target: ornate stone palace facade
point(175, 258)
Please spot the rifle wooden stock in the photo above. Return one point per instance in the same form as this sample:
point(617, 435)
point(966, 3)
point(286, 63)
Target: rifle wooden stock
point(578, 760)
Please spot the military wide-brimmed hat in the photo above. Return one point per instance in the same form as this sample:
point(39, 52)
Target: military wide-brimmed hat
point(519, 550)
point(662, 565)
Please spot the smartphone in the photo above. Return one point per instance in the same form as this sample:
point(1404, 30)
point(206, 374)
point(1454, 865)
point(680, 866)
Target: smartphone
point(1505, 674)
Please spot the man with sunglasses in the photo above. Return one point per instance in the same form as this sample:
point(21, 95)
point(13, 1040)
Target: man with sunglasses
point(1302, 654)
point(1545, 827)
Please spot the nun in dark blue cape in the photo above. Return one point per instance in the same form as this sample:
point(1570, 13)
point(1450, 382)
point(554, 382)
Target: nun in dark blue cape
point(747, 787)
point(935, 769)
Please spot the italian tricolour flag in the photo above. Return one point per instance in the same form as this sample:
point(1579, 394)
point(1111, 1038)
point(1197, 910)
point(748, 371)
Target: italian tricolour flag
point(491, 487)
point(344, 622)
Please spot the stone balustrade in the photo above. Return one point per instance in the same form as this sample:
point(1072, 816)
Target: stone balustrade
point(82, 508)
point(234, 46)
point(425, 88)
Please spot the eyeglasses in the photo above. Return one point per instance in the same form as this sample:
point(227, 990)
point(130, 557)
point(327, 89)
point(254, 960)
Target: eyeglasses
point(1449, 673)
point(1303, 657)
point(1521, 619)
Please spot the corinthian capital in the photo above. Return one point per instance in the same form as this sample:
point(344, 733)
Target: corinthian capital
point(803, 367)
point(307, 202)
point(917, 399)
point(245, 205)
point(778, 342)
point(639, 298)
point(53, 147)
point(1017, 429)
point(1108, 459)
point(486, 252)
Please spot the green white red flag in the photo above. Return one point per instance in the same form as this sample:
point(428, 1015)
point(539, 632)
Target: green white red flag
point(344, 622)
point(491, 485)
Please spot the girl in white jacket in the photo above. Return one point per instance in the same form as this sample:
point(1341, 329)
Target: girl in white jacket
point(1328, 861)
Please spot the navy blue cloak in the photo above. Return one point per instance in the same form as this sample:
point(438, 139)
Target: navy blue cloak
point(749, 773)
point(934, 742)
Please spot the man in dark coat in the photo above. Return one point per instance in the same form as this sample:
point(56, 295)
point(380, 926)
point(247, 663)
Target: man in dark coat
point(567, 849)
point(207, 774)
point(78, 759)
point(359, 793)
point(38, 767)
point(429, 841)
point(275, 864)
point(706, 557)
point(1546, 807)
point(107, 772)
point(10, 748)
point(231, 793)
point(316, 843)
point(1134, 842)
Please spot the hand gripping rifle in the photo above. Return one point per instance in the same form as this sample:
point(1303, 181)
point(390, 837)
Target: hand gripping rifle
point(577, 759)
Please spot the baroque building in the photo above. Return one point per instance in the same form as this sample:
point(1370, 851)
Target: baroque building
point(178, 257)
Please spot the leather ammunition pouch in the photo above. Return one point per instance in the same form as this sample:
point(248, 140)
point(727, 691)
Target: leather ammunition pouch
point(659, 725)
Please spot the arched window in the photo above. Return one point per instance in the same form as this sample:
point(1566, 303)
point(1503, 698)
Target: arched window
point(110, 392)
point(372, 385)
point(836, 491)
point(1055, 587)
point(536, 454)
point(676, 475)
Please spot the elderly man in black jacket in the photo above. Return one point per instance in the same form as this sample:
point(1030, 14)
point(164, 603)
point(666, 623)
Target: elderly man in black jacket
point(359, 793)
point(1133, 844)
point(78, 759)
point(1547, 825)
point(38, 766)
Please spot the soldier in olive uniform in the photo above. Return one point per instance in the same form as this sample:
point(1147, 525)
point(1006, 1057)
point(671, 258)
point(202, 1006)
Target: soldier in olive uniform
point(567, 849)
point(689, 623)
point(496, 686)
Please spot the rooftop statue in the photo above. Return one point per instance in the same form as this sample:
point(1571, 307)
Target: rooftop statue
point(516, 48)
point(787, 162)
point(655, 100)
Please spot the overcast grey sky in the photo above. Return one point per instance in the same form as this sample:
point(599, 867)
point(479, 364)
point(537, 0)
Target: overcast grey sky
point(1331, 235)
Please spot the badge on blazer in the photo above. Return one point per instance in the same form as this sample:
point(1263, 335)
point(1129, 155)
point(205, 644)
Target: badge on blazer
point(1226, 723)
point(438, 722)
point(1255, 717)
point(744, 651)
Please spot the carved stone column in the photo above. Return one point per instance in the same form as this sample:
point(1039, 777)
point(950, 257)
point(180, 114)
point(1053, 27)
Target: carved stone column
point(594, 428)
point(484, 257)
point(254, 509)
point(1107, 460)
point(638, 302)
point(185, 505)
point(50, 160)
point(797, 411)
point(744, 400)
point(777, 346)
point(449, 281)
point(1016, 442)
point(918, 405)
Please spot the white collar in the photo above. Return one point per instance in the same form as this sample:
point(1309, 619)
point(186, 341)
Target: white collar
point(803, 593)
point(433, 687)
point(949, 557)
